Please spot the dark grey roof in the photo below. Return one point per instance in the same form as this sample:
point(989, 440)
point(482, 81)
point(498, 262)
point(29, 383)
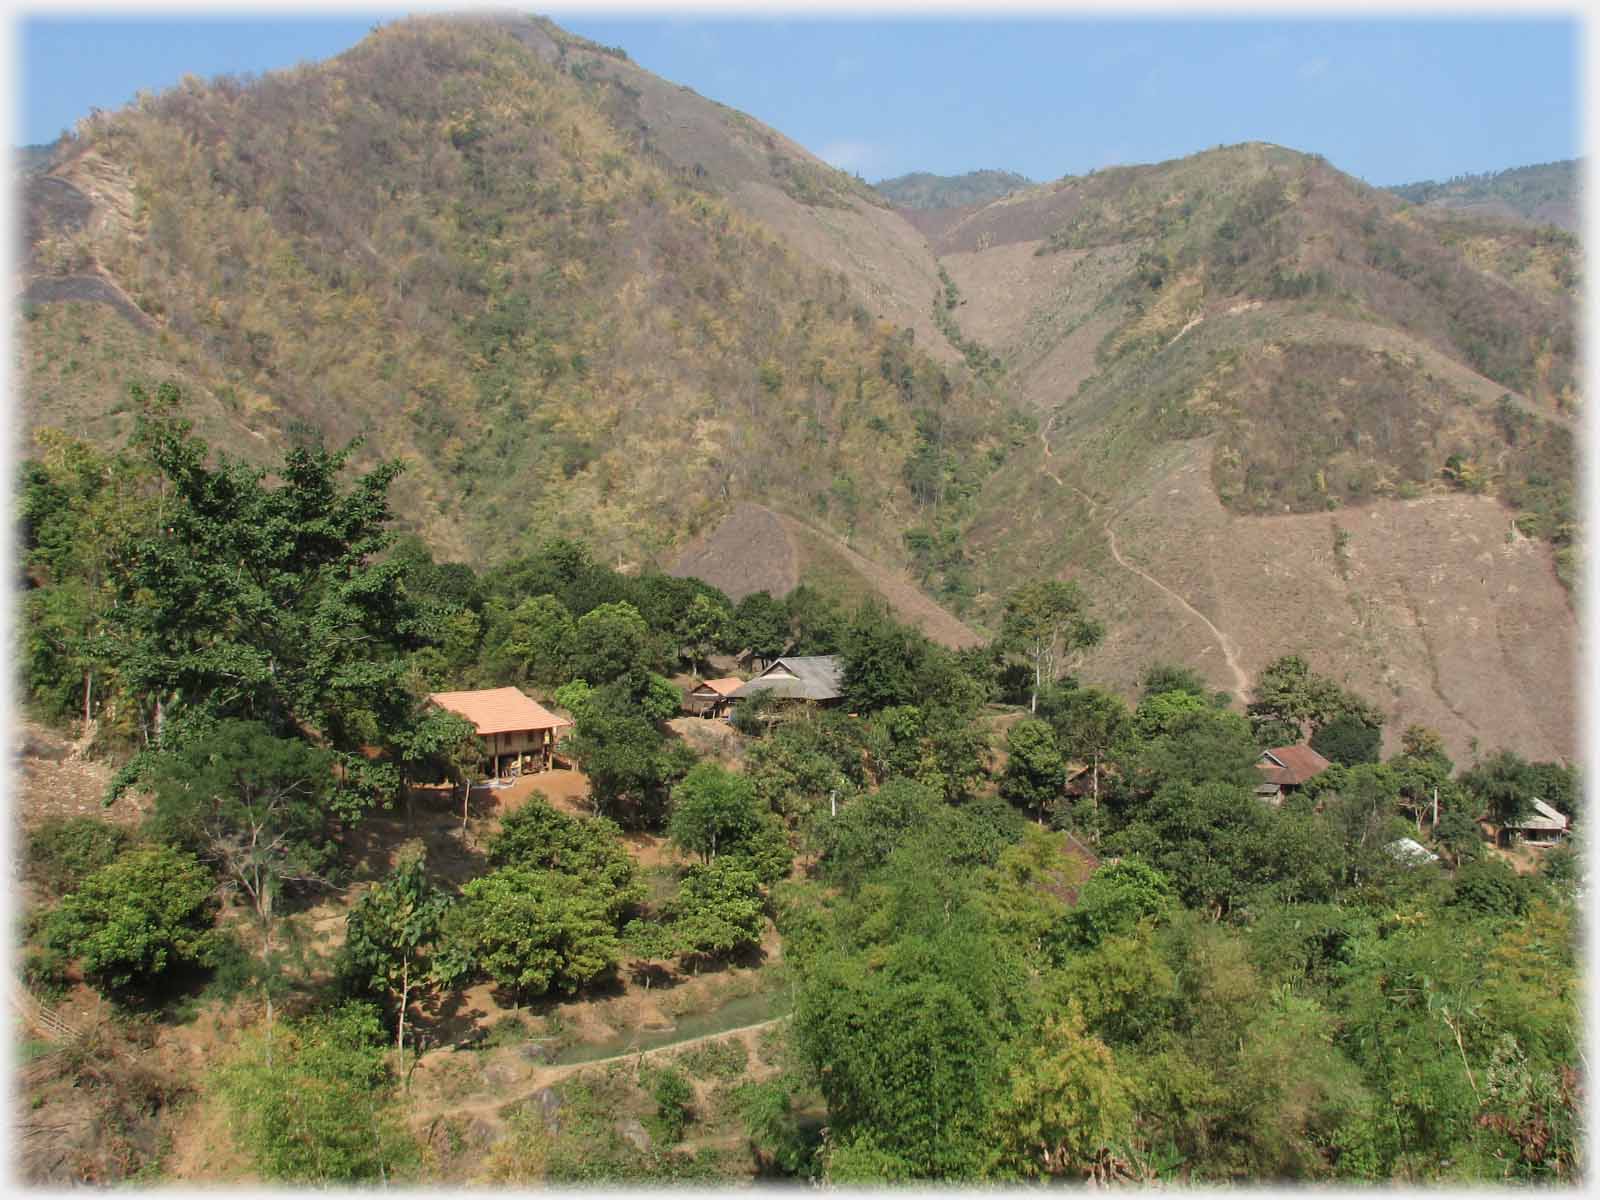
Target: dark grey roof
point(814, 677)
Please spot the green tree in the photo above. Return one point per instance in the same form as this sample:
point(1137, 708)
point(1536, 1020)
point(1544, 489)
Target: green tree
point(537, 641)
point(1063, 1102)
point(1088, 723)
point(1347, 740)
point(1035, 773)
point(881, 660)
point(704, 627)
point(133, 920)
point(761, 626)
point(266, 603)
point(531, 931)
point(541, 838)
point(1290, 699)
point(257, 807)
point(1047, 623)
point(1504, 785)
point(718, 909)
point(608, 642)
point(390, 930)
point(712, 807)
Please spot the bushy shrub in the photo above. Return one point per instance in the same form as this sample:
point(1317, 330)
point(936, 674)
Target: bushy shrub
point(141, 915)
point(317, 1107)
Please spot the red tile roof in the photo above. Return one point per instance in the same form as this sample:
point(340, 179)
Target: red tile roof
point(499, 710)
point(1298, 764)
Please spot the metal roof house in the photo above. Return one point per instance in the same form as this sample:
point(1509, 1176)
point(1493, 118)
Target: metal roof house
point(1284, 769)
point(816, 679)
point(510, 724)
point(1542, 827)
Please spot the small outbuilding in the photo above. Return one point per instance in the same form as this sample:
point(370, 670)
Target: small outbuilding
point(713, 698)
point(1285, 769)
point(513, 726)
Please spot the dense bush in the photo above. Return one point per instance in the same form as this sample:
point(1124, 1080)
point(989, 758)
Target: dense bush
point(144, 914)
point(312, 1101)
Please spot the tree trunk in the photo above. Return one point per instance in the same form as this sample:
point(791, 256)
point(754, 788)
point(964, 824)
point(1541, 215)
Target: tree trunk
point(400, 1036)
point(88, 699)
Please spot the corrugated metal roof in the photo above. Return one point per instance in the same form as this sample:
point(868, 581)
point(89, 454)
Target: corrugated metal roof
point(1293, 765)
point(1544, 817)
point(499, 710)
point(810, 677)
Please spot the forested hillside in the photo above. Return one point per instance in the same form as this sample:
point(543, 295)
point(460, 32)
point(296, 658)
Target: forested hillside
point(919, 189)
point(1546, 194)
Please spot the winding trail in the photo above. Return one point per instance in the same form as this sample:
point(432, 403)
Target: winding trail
point(1230, 656)
point(544, 1077)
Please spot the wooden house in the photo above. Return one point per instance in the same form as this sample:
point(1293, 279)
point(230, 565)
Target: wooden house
point(520, 733)
point(713, 698)
point(1544, 826)
point(1285, 769)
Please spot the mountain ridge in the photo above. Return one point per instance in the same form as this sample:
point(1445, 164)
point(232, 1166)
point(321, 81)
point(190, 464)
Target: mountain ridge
point(581, 300)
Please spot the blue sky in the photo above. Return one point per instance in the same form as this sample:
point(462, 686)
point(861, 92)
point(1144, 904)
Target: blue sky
point(1046, 94)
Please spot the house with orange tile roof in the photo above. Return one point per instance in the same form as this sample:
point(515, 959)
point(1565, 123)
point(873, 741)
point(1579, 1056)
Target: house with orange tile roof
point(513, 726)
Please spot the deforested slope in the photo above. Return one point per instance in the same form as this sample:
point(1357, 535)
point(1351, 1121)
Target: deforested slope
point(458, 241)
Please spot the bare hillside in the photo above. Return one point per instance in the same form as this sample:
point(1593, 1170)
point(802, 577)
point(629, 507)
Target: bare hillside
point(755, 549)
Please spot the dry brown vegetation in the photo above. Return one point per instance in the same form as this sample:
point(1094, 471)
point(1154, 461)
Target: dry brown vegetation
point(579, 299)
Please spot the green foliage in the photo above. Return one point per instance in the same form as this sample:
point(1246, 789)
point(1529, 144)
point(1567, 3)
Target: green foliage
point(312, 1101)
point(391, 928)
point(538, 837)
point(608, 642)
point(257, 807)
point(761, 625)
point(1048, 624)
point(726, 1058)
point(1348, 740)
point(1064, 1103)
point(137, 918)
point(255, 601)
point(907, 1053)
point(1490, 888)
point(1503, 785)
point(866, 831)
point(672, 1094)
point(531, 931)
point(64, 851)
point(713, 807)
point(770, 1122)
point(1117, 897)
point(719, 910)
point(1288, 696)
point(1035, 773)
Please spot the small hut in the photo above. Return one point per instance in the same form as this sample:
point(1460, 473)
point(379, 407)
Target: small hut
point(713, 698)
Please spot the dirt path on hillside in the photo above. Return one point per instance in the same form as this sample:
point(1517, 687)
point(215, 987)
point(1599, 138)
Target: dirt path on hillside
point(1240, 676)
point(548, 1076)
